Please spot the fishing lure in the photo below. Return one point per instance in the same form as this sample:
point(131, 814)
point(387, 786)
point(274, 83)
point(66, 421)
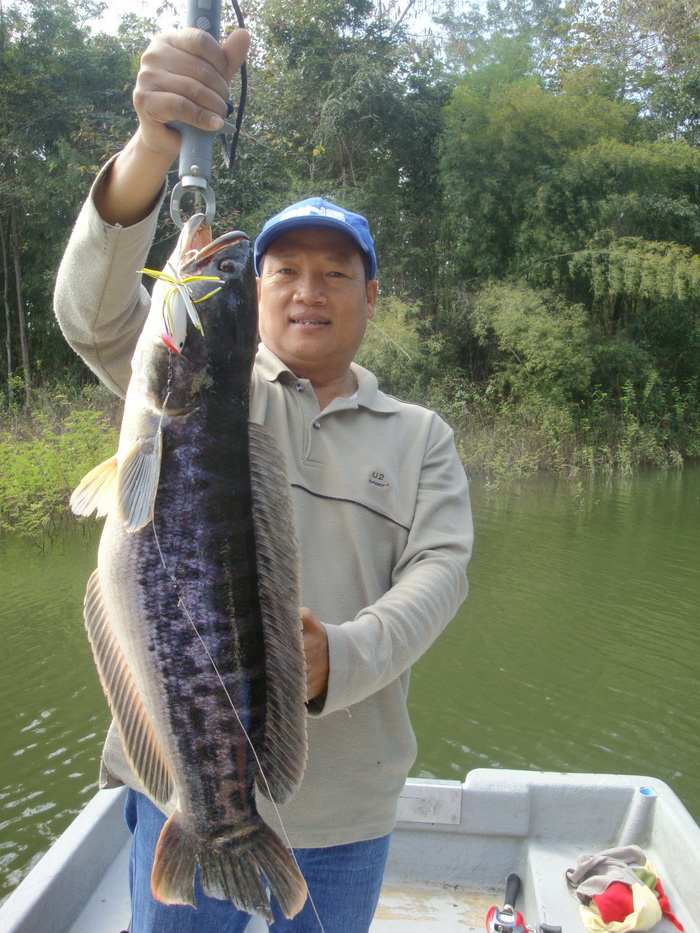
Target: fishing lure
point(178, 304)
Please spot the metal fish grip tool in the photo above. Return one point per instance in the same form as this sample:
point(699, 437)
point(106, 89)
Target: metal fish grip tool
point(507, 919)
point(197, 146)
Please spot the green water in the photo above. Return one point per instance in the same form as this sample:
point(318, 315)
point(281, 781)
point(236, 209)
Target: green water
point(577, 649)
point(579, 645)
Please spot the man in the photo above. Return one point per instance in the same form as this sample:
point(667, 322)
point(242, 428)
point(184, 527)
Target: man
point(380, 497)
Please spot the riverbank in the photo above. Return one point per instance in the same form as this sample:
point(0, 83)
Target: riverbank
point(45, 451)
point(511, 442)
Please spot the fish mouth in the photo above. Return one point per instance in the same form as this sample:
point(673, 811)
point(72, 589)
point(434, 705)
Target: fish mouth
point(193, 237)
point(221, 242)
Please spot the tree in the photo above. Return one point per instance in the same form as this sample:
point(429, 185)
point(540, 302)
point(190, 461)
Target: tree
point(540, 343)
point(63, 104)
point(559, 196)
point(344, 104)
point(504, 136)
point(651, 48)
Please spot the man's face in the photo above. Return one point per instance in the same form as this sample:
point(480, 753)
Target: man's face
point(314, 301)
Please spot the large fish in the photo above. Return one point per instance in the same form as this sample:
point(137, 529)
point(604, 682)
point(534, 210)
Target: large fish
point(193, 610)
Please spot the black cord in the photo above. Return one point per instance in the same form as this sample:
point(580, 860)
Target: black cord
point(230, 152)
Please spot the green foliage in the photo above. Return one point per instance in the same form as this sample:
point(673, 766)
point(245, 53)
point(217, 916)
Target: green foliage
point(606, 190)
point(539, 343)
point(531, 179)
point(641, 270)
point(44, 455)
point(64, 108)
point(344, 105)
point(504, 140)
point(651, 48)
point(404, 360)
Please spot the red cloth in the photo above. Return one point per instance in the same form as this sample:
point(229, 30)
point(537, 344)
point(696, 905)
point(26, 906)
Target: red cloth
point(666, 906)
point(616, 903)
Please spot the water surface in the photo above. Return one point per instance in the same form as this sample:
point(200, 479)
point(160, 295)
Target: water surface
point(577, 650)
point(54, 713)
point(578, 647)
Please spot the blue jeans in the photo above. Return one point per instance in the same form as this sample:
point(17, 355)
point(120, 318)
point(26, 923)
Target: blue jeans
point(344, 884)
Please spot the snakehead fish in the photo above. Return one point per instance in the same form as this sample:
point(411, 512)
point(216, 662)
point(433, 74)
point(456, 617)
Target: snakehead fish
point(193, 610)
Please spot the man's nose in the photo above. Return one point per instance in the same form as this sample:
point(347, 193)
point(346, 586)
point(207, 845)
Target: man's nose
point(310, 289)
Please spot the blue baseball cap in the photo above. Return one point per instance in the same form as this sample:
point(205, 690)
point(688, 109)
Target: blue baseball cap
point(315, 212)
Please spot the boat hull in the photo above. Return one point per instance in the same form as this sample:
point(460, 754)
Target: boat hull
point(454, 845)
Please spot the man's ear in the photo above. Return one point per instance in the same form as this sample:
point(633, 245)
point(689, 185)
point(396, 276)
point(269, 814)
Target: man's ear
point(372, 292)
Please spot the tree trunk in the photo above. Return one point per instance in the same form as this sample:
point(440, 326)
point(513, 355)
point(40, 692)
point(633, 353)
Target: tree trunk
point(8, 315)
point(21, 317)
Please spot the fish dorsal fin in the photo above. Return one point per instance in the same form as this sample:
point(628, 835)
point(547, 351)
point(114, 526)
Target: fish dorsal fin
point(140, 744)
point(97, 490)
point(283, 757)
point(139, 473)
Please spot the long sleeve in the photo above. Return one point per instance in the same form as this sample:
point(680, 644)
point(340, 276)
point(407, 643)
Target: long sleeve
point(99, 300)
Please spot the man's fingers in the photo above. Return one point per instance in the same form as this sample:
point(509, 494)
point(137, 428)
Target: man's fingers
point(316, 651)
point(308, 620)
point(185, 76)
point(199, 60)
point(188, 64)
point(195, 43)
point(162, 107)
point(235, 48)
point(209, 61)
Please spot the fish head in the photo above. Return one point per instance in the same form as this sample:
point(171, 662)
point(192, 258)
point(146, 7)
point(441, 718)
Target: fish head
point(222, 288)
point(201, 331)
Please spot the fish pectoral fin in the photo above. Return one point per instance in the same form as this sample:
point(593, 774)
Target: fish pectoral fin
point(283, 756)
point(139, 473)
point(96, 491)
point(140, 743)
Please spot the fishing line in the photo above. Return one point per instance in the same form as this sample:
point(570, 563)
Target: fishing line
point(188, 616)
point(390, 338)
point(230, 151)
point(229, 156)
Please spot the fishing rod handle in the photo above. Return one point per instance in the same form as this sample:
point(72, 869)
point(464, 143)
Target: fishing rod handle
point(206, 15)
point(512, 889)
point(197, 146)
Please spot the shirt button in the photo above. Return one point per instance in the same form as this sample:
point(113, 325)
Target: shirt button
point(317, 426)
point(300, 387)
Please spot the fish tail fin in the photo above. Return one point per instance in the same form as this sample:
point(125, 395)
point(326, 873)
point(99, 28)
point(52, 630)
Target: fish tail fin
point(280, 869)
point(172, 876)
point(230, 869)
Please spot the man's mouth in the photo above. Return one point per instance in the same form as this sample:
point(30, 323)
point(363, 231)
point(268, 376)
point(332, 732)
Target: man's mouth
point(309, 322)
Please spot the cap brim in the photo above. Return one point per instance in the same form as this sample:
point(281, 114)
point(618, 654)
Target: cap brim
point(262, 243)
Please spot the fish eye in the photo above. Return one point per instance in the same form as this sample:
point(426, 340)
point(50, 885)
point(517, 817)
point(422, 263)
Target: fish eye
point(227, 265)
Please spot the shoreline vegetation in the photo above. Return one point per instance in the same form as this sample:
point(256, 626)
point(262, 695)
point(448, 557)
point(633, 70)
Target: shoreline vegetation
point(45, 450)
point(531, 185)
